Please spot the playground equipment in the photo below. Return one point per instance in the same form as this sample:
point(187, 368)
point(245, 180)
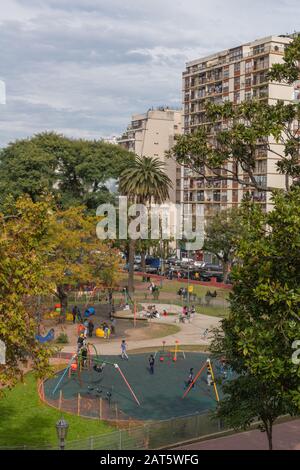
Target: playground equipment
point(169, 354)
point(99, 333)
point(44, 339)
point(78, 362)
point(177, 351)
point(89, 312)
point(207, 365)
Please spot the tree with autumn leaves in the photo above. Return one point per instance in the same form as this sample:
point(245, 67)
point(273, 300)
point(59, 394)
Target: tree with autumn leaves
point(43, 250)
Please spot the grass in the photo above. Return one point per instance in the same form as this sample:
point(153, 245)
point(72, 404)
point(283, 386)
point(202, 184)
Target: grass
point(27, 421)
point(213, 311)
point(183, 347)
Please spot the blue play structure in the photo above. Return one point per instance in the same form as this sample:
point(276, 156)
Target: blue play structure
point(44, 339)
point(89, 311)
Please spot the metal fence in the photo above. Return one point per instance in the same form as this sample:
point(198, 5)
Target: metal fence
point(149, 436)
point(152, 435)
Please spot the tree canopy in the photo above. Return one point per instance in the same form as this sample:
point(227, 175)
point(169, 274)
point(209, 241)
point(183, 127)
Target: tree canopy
point(22, 278)
point(257, 338)
point(75, 172)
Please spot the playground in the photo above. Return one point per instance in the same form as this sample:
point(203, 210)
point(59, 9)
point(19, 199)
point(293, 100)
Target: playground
point(118, 390)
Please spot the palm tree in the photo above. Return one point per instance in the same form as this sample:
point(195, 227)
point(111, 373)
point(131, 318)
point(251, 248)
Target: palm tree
point(143, 182)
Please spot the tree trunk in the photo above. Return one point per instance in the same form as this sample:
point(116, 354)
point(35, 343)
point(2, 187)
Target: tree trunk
point(226, 266)
point(143, 262)
point(131, 266)
point(63, 298)
point(269, 431)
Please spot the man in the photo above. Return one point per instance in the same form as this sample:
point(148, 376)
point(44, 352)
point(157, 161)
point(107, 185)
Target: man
point(151, 364)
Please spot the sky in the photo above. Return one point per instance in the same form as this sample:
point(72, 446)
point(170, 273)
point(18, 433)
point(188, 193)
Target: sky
point(83, 67)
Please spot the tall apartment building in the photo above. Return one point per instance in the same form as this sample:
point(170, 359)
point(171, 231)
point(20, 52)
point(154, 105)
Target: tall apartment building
point(236, 75)
point(152, 134)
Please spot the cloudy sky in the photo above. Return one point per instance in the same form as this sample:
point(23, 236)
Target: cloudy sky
point(82, 67)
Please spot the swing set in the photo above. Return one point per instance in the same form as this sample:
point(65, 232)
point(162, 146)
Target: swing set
point(79, 362)
point(208, 366)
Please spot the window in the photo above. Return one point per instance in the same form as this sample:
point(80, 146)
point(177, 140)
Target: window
point(235, 54)
point(237, 83)
point(226, 72)
point(248, 66)
point(237, 67)
point(247, 82)
point(259, 49)
point(236, 97)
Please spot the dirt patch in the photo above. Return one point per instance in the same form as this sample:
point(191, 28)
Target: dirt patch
point(152, 331)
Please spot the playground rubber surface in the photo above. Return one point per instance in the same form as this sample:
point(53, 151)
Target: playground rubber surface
point(160, 394)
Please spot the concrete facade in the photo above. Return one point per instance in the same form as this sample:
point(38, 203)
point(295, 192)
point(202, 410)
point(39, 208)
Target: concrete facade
point(152, 134)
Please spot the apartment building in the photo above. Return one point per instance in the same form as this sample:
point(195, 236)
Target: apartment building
point(152, 134)
point(236, 75)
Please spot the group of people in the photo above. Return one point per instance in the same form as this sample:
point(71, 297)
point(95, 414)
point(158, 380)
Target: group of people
point(191, 378)
point(152, 312)
point(187, 313)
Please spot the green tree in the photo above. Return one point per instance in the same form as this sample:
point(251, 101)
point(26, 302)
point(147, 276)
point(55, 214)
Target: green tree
point(143, 182)
point(221, 235)
point(264, 320)
point(75, 172)
point(23, 232)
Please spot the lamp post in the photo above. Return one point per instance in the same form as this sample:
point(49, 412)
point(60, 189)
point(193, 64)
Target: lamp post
point(62, 427)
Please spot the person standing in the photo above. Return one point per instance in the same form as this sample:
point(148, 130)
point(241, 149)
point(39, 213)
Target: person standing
point(90, 328)
point(151, 364)
point(190, 378)
point(124, 349)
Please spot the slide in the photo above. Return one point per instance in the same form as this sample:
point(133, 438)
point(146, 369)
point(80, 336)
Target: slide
point(44, 339)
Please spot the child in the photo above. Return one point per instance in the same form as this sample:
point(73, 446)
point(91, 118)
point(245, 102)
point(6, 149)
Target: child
point(123, 349)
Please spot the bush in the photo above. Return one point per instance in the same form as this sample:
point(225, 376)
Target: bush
point(62, 339)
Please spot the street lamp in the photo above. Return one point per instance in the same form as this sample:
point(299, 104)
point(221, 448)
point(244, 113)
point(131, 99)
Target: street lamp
point(62, 427)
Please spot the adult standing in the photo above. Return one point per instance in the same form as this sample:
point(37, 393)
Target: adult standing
point(151, 364)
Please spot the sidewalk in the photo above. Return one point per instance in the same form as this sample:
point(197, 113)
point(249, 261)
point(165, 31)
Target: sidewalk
point(286, 437)
point(190, 333)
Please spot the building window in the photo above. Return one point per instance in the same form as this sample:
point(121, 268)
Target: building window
point(237, 67)
point(226, 72)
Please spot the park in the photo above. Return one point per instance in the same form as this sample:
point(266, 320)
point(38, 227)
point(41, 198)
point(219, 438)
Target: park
point(149, 274)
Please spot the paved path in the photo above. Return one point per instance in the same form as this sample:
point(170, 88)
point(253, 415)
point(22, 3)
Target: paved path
point(286, 437)
point(190, 333)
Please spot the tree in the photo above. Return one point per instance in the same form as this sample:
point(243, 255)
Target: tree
point(23, 231)
point(264, 320)
point(143, 182)
point(227, 147)
point(248, 400)
point(76, 256)
point(75, 172)
point(221, 235)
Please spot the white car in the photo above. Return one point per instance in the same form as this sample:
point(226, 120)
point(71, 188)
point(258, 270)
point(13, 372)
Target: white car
point(187, 260)
point(199, 264)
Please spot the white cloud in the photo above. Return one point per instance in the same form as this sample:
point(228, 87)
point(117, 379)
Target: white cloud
point(83, 67)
